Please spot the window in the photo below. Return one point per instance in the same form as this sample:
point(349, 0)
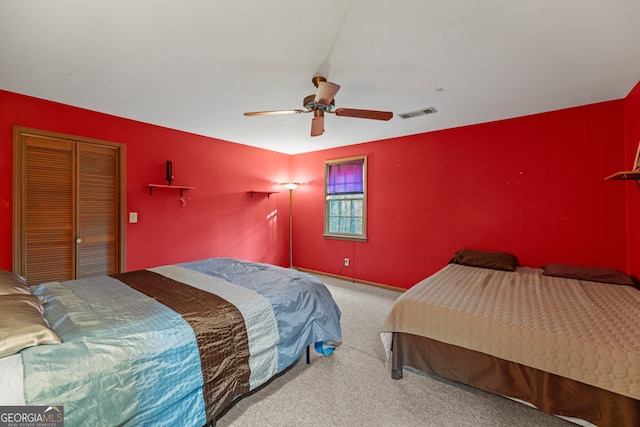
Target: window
point(345, 198)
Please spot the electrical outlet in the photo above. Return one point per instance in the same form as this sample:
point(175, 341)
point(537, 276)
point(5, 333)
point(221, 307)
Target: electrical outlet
point(346, 262)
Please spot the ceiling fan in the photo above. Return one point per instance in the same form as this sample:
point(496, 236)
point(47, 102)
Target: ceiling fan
point(323, 102)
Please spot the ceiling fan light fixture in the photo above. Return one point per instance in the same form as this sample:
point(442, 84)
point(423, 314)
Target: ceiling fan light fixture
point(317, 123)
point(417, 113)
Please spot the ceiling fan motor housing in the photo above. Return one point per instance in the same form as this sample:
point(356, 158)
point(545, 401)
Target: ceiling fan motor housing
point(310, 104)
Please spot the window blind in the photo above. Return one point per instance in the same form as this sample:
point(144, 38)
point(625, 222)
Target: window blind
point(346, 178)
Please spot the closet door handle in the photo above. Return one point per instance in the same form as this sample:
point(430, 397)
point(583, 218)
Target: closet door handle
point(78, 240)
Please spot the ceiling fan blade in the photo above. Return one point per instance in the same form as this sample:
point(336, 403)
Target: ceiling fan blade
point(317, 125)
point(274, 112)
point(364, 114)
point(326, 92)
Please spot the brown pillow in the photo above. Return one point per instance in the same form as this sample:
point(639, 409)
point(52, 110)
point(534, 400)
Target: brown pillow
point(593, 274)
point(11, 283)
point(485, 259)
point(22, 324)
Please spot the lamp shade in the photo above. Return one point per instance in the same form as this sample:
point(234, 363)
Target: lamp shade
point(290, 185)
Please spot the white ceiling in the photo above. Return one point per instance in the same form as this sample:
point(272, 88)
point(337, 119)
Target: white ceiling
point(197, 66)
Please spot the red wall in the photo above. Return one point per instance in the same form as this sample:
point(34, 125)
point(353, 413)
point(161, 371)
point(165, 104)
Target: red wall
point(220, 218)
point(532, 186)
point(632, 121)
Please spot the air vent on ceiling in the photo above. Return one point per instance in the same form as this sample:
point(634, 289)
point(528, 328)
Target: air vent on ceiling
point(423, 112)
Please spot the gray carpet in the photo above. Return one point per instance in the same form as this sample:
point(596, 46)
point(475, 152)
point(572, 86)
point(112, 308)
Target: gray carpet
point(353, 387)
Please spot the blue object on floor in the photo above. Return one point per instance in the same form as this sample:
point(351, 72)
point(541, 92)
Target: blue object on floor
point(325, 349)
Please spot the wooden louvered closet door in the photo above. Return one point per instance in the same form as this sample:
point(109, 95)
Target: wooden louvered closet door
point(97, 211)
point(67, 207)
point(48, 196)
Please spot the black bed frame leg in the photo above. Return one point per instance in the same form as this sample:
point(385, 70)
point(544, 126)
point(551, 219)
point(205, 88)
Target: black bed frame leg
point(396, 358)
point(396, 374)
point(308, 355)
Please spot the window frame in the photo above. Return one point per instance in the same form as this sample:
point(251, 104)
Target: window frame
point(327, 216)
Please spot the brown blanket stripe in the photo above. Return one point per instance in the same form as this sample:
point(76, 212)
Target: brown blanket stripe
point(219, 329)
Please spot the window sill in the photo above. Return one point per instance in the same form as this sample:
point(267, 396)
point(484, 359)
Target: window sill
point(345, 237)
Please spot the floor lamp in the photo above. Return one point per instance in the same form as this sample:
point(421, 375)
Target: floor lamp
point(290, 186)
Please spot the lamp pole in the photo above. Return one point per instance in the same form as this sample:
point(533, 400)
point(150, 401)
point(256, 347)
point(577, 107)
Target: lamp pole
point(291, 228)
point(290, 186)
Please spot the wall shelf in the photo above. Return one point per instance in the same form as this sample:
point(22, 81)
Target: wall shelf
point(174, 187)
point(268, 193)
point(630, 174)
point(625, 175)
